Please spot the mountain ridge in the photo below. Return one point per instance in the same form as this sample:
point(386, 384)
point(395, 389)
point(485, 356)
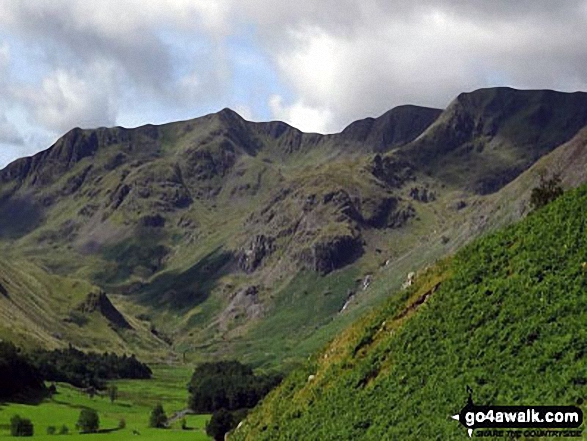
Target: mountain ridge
point(214, 227)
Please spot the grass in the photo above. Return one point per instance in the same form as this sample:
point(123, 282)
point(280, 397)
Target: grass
point(134, 404)
point(508, 319)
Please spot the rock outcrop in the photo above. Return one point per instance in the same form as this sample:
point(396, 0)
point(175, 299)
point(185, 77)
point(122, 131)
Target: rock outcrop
point(99, 302)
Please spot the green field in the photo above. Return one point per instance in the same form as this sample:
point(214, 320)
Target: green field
point(134, 404)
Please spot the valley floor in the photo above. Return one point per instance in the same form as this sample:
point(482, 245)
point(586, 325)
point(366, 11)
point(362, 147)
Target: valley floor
point(134, 404)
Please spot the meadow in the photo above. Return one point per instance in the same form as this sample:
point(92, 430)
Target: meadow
point(136, 399)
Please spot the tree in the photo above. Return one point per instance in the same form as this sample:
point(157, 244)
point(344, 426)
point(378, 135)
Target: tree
point(220, 423)
point(88, 421)
point(113, 392)
point(227, 385)
point(17, 376)
point(158, 418)
point(21, 426)
point(91, 391)
point(546, 191)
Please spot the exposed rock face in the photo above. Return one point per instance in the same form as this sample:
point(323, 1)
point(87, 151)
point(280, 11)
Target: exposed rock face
point(245, 304)
point(276, 198)
point(458, 205)
point(252, 256)
point(422, 194)
point(400, 217)
point(153, 221)
point(4, 291)
point(393, 171)
point(99, 301)
point(376, 213)
point(330, 253)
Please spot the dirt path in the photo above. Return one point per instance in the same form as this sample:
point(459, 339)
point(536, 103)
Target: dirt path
point(178, 415)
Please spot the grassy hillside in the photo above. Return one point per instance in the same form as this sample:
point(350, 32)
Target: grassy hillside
point(136, 399)
point(505, 316)
point(38, 309)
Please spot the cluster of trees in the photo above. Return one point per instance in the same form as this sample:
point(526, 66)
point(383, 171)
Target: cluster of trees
point(22, 376)
point(21, 426)
point(88, 422)
point(18, 376)
point(227, 389)
point(227, 385)
point(90, 369)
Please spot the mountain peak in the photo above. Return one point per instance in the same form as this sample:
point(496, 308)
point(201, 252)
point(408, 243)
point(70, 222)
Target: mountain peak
point(228, 115)
point(395, 127)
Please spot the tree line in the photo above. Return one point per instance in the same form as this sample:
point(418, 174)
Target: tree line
point(87, 369)
point(22, 375)
point(227, 389)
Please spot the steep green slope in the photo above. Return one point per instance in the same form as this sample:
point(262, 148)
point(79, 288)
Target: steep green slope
point(505, 316)
point(38, 309)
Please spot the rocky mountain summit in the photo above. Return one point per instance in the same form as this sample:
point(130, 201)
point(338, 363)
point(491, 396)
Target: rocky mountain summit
point(180, 221)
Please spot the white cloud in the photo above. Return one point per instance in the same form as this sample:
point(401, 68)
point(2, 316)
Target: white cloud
point(426, 53)
point(66, 100)
point(302, 116)
point(334, 60)
point(9, 133)
point(4, 55)
point(245, 111)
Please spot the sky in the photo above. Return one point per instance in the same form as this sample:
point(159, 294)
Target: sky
point(315, 64)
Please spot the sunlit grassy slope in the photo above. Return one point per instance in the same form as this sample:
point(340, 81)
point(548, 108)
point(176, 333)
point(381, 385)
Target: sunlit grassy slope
point(39, 309)
point(505, 316)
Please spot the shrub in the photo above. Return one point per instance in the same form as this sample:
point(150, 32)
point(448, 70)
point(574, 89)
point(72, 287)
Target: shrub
point(158, 418)
point(64, 430)
point(88, 421)
point(122, 423)
point(51, 430)
point(546, 192)
point(21, 426)
point(113, 393)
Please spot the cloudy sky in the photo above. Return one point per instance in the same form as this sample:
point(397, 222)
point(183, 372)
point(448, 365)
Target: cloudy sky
point(316, 64)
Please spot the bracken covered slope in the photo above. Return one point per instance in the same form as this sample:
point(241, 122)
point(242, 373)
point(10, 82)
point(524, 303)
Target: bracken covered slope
point(505, 316)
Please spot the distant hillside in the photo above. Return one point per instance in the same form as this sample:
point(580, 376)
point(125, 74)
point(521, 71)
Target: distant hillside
point(494, 134)
point(38, 309)
point(505, 316)
point(219, 236)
